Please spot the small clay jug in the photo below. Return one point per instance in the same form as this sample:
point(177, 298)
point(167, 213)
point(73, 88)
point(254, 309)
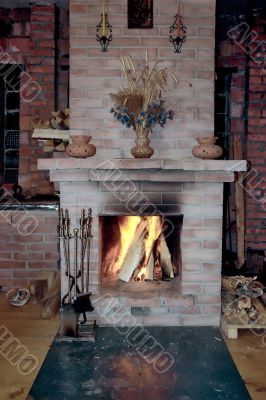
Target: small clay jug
point(206, 148)
point(80, 147)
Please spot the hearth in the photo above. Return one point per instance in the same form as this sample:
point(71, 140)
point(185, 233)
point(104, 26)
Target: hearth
point(140, 248)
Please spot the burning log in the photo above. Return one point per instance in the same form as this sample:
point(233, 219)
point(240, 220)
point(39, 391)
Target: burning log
point(165, 259)
point(135, 253)
point(150, 268)
point(148, 256)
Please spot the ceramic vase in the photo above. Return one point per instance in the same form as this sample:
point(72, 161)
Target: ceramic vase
point(206, 148)
point(142, 148)
point(80, 147)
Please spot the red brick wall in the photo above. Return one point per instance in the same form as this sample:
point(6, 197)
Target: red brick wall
point(41, 68)
point(62, 94)
point(232, 55)
point(33, 44)
point(256, 146)
point(23, 255)
point(94, 74)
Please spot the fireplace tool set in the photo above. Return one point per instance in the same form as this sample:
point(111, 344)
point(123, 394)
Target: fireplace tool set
point(77, 299)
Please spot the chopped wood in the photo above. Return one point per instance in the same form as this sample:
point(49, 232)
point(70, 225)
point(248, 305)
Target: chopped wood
point(150, 268)
point(67, 112)
point(135, 253)
point(41, 124)
point(165, 259)
point(59, 120)
point(243, 302)
point(50, 134)
point(39, 288)
point(61, 147)
point(51, 303)
point(231, 283)
point(56, 114)
point(58, 125)
point(51, 306)
point(48, 149)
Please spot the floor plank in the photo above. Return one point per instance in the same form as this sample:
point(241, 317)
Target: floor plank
point(25, 324)
point(249, 355)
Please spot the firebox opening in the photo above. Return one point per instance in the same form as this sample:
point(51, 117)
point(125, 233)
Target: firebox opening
point(140, 248)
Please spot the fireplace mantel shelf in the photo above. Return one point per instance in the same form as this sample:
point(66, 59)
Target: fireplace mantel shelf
point(142, 164)
point(153, 170)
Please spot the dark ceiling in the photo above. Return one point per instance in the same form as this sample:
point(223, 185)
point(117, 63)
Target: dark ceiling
point(230, 13)
point(238, 8)
point(25, 3)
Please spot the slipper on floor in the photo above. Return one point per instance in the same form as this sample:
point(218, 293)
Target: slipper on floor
point(18, 297)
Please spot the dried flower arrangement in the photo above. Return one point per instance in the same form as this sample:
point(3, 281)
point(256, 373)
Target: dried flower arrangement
point(140, 104)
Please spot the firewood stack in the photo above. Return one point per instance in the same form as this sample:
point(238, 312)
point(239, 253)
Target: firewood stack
point(47, 128)
point(60, 119)
point(243, 300)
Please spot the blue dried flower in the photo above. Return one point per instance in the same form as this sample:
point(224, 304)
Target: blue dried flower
point(125, 109)
point(142, 113)
point(139, 122)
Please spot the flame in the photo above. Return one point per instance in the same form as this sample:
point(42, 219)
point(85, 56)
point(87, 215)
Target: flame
point(128, 226)
point(154, 228)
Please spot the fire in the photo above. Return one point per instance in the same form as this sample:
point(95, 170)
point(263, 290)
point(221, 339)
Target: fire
point(154, 228)
point(128, 226)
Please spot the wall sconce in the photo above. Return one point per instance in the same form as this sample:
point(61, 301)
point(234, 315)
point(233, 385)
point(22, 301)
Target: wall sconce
point(177, 32)
point(104, 31)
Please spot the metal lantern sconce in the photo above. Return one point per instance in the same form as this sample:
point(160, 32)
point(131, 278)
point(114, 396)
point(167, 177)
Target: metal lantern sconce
point(177, 32)
point(104, 31)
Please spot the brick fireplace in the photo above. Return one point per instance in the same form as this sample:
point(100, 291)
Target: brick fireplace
point(192, 188)
point(172, 183)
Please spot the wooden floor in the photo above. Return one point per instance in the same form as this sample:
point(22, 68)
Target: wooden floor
point(35, 334)
point(248, 352)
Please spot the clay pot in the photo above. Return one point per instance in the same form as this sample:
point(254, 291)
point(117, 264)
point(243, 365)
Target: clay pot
point(207, 149)
point(142, 148)
point(80, 147)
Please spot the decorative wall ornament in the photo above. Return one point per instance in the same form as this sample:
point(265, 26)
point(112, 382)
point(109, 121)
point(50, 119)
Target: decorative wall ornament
point(177, 32)
point(140, 13)
point(104, 31)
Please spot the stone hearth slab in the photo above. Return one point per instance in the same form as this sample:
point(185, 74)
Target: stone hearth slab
point(114, 367)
